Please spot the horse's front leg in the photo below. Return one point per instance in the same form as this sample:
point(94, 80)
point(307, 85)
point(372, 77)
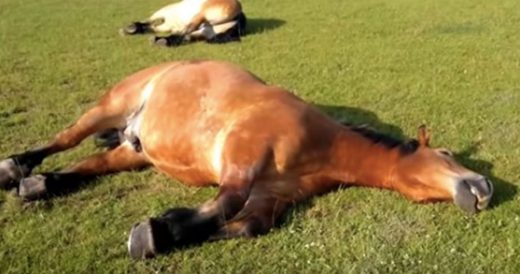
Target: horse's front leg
point(179, 227)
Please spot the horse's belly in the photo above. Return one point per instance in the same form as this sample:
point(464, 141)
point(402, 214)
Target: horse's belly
point(179, 156)
point(189, 175)
point(177, 16)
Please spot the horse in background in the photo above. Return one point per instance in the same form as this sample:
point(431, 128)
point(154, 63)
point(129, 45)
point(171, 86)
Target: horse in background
point(215, 21)
point(212, 123)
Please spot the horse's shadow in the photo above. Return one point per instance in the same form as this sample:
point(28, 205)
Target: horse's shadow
point(358, 116)
point(261, 25)
point(504, 191)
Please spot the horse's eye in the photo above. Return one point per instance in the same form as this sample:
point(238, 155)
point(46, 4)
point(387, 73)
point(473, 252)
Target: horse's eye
point(446, 152)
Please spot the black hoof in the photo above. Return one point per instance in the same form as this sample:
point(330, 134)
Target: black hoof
point(32, 188)
point(159, 41)
point(131, 29)
point(122, 32)
point(10, 173)
point(140, 242)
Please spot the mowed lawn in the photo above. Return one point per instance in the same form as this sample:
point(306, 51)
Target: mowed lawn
point(453, 65)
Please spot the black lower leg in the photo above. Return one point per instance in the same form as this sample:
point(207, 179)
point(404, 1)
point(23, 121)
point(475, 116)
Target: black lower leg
point(169, 41)
point(176, 228)
point(17, 166)
point(136, 28)
point(30, 159)
point(49, 184)
point(180, 227)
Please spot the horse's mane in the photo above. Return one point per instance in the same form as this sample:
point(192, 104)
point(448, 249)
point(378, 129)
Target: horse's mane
point(405, 147)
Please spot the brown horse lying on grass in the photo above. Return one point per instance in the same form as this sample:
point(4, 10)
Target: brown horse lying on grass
point(215, 21)
point(213, 123)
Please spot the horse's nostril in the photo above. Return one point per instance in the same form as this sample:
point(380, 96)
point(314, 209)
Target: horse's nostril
point(489, 184)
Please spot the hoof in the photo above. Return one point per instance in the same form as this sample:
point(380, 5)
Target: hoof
point(122, 32)
point(32, 188)
point(10, 173)
point(129, 30)
point(159, 41)
point(140, 241)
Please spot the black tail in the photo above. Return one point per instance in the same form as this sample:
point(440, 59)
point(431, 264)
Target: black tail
point(110, 138)
point(242, 22)
point(233, 34)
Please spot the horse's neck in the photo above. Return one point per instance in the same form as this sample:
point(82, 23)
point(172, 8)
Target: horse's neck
point(359, 161)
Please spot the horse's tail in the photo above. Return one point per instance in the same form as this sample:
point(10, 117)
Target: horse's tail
point(242, 22)
point(110, 138)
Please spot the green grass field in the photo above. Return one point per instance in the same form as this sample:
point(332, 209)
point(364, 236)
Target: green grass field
point(453, 65)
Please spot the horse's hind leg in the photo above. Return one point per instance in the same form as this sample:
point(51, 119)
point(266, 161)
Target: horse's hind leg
point(179, 227)
point(121, 158)
point(98, 118)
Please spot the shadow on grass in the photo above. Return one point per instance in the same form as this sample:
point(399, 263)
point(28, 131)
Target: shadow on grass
point(504, 191)
point(358, 116)
point(261, 25)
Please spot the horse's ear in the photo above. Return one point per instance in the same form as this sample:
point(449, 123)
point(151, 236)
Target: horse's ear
point(423, 136)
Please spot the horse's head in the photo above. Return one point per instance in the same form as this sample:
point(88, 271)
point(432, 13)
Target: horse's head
point(433, 174)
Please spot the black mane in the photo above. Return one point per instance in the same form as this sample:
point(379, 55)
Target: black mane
point(405, 147)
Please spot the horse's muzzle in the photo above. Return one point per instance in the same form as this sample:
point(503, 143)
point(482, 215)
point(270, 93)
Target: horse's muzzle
point(473, 194)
